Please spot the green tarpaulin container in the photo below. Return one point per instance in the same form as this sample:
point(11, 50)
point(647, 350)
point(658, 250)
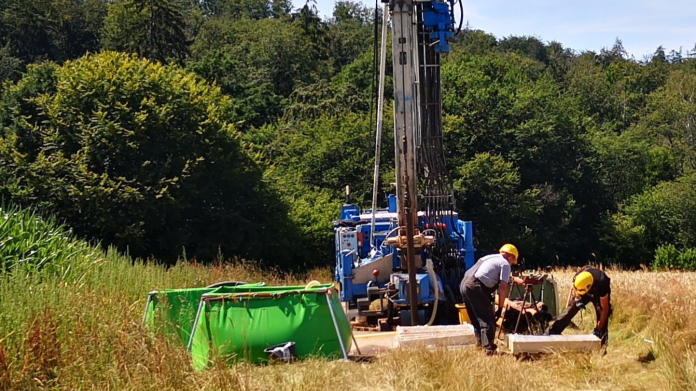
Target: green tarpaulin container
point(241, 324)
point(173, 311)
point(548, 296)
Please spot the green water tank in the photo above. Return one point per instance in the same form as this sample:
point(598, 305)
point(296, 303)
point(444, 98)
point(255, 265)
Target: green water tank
point(546, 292)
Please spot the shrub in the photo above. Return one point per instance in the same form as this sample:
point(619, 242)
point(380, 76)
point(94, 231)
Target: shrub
point(664, 214)
point(687, 259)
point(666, 257)
point(669, 257)
point(136, 154)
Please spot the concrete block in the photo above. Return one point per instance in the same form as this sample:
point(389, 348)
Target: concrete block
point(518, 343)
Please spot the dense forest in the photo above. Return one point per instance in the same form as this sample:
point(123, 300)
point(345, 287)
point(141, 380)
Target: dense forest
point(195, 128)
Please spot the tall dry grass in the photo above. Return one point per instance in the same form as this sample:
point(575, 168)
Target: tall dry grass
point(653, 322)
point(58, 333)
point(86, 334)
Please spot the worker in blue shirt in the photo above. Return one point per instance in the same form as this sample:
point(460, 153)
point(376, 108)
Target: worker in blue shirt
point(489, 274)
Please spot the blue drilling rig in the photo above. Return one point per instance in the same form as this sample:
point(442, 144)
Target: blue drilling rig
point(402, 264)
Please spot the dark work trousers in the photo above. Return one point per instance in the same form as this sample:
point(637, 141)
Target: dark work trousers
point(563, 320)
point(479, 306)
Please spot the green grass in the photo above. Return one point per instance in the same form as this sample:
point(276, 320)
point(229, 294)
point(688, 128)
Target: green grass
point(82, 331)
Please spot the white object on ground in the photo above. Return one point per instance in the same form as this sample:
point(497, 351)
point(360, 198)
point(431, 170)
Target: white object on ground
point(461, 334)
point(518, 343)
point(374, 343)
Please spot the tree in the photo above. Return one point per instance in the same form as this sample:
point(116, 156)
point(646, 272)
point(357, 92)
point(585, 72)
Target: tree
point(10, 67)
point(268, 50)
point(79, 24)
point(470, 41)
point(350, 34)
point(154, 29)
point(28, 26)
point(617, 53)
point(316, 30)
point(612, 92)
point(139, 155)
point(664, 214)
point(629, 164)
point(659, 57)
point(489, 192)
point(508, 106)
point(57, 30)
point(346, 11)
point(310, 161)
point(530, 47)
point(559, 60)
point(246, 9)
point(670, 118)
point(326, 153)
point(255, 99)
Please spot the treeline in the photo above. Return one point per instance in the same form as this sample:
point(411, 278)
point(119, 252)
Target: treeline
point(177, 128)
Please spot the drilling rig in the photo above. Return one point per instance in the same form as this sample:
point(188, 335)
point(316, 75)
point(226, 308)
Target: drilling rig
point(402, 264)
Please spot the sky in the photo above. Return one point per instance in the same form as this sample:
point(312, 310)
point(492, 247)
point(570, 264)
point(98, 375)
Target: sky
point(641, 25)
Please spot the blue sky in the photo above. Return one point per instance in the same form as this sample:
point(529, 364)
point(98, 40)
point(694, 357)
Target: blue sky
point(641, 25)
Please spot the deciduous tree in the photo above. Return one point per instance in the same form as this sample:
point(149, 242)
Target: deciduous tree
point(154, 29)
point(136, 154)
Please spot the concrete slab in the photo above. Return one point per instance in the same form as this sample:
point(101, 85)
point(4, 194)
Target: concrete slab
point(374, 343)
point(462, 334)
point(518, 343)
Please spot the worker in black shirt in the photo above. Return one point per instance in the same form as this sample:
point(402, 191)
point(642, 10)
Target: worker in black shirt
point(589, 285)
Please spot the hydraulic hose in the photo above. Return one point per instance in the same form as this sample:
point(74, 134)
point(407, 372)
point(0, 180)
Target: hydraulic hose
point(433, 282)
point(380, 114)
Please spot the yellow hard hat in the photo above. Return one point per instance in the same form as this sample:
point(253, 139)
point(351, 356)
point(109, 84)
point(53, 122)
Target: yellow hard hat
point(510, 249)
point(583, 282)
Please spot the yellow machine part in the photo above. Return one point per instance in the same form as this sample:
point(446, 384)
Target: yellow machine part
point(463, 315)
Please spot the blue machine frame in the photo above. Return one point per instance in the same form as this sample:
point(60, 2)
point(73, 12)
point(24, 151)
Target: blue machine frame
point(354, 251)
point(371, 265)
point(438, 19)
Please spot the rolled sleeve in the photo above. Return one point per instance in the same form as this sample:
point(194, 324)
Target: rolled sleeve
point(505, 273)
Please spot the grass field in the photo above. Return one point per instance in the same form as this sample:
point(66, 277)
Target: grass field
point(85, 333)
point(70, 319)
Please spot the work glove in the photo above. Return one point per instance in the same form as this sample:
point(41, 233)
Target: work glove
point(597, 332)
point(580, 305)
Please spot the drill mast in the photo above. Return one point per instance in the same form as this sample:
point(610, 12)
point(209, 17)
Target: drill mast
point(413, 254)
point(420, 31)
